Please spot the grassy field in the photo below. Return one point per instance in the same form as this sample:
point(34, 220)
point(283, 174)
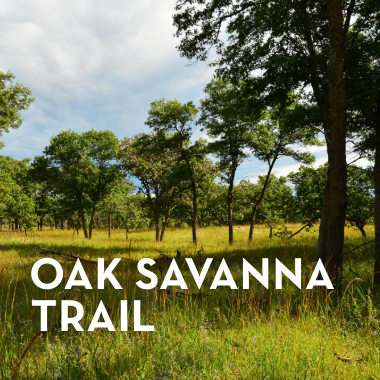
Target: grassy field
point(214, 334)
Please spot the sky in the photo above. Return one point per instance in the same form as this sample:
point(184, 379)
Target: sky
point(99, 64)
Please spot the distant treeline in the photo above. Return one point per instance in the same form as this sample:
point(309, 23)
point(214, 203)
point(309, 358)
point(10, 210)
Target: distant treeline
point(81, 183)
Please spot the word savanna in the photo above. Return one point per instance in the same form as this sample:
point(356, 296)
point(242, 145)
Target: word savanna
point(199, 277)
point(248, 270)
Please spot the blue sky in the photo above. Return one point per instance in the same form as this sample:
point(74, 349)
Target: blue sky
point(99, 64)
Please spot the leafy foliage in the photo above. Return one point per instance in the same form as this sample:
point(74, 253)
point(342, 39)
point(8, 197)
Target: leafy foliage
point(81, 169)
point(14, 98)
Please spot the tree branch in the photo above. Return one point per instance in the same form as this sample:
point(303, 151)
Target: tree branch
point(307, 224)
point(348, 17)
point(366, 93)
point(361, 245)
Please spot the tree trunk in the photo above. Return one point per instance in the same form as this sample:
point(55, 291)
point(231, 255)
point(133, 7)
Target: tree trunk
point(126, 233)
point(25, 231)
point(377, 198)
point(84, 225)
point(91, 225)
point(195, 212)
point(165, 222)
point(270, 232)
point(323, 226)
point(257, 204)
point(41, 223)
point(157, 223)
point(229, 209)
point(16, 224)
point(109, 225)
point(162, 231)
point(337, 148)
point(361, 229)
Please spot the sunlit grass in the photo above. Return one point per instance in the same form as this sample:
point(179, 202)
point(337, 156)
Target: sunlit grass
point(223, 334)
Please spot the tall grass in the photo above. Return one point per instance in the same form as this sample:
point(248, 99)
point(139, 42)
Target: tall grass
point(199, 334)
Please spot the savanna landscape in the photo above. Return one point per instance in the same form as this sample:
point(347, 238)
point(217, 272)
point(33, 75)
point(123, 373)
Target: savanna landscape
point(259, 140)
point(199, 334)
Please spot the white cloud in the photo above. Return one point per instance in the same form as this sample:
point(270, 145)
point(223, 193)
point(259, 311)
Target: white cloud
point(92, 64)
point(312, 149)
point(96, 64)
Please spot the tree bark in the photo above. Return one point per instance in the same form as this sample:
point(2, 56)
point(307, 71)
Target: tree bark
point(162, 231)
point(229, 208)
point(193, 189)
point(126, 233)
point(195, 212)
point(361, 229)
point(84, 226)
point(324, 225)
point(165, 221)
point(157, 223)
point(377, 198)
point(337, 148)
point(91, 226)
point(109, 225)
point(257, 204)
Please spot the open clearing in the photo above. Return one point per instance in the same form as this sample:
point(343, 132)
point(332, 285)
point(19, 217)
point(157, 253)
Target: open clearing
point(212, 334)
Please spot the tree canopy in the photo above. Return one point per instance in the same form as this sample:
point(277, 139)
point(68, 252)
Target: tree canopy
point(14, 98)
point(81, 168)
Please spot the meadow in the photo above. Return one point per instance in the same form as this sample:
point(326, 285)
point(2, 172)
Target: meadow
point(199, 334)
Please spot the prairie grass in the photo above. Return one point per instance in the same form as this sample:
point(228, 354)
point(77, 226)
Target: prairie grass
point(201, 334)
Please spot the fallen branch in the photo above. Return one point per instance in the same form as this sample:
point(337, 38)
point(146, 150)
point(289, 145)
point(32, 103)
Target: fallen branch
point(19, 324)
point(69, 257)
point(349, 360)
point(361, 245)
point(307, 224)
point(357, 275)
point(183, 295)
point(34, 338)
point(65, 256)
point(163, 258)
